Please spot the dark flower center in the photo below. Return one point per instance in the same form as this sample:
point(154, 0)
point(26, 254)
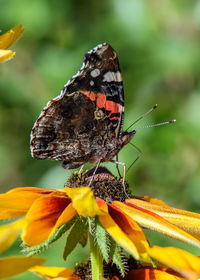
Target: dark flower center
point(104, 184)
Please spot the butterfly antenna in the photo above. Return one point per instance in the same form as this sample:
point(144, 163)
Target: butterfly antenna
point(144, 115)
point(156, 124)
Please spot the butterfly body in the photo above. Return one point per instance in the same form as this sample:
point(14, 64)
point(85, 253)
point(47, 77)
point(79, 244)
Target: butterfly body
point(84, 123)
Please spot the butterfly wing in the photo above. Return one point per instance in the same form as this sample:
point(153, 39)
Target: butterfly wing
point(71, 126)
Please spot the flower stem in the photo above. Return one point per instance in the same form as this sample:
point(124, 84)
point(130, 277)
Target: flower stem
point(95, 256)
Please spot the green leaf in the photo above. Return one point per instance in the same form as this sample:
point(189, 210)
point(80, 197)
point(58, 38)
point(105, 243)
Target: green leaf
point(35, 250)
point(75, 235)
point(115, 255)
point(84, 239)
point(102, 239)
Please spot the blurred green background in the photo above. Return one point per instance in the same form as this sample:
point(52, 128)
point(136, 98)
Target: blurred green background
point(158, 45)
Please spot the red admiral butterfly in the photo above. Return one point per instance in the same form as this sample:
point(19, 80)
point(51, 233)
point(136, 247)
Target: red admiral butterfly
point(84, 123)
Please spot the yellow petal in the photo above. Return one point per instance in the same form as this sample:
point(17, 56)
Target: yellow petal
point(9, 233)
point(11, 266)
point(5, 55)
point(52, 271)
point(9, 38)
point(43, 216)
point(118, 235)
point(186, 220)
point(102, 205)
point(132, 231)
point(65, 217)
point(155, 222)
point(17, 202)
point(179, 260)
point(84, 201)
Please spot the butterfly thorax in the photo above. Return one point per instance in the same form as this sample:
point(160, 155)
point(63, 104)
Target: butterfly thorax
point(109, 149)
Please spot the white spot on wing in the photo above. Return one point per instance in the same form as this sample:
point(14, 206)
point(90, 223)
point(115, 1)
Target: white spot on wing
point(95, 73)
point(91, 83)
point(112, 77)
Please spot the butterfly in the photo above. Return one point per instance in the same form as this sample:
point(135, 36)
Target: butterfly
point(85, 122)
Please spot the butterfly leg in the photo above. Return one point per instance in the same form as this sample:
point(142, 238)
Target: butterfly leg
point(124, 176)
point(117, 166)
point(139, 155)
point(97, 166)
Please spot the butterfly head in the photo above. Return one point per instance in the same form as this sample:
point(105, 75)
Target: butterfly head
point(127, 136)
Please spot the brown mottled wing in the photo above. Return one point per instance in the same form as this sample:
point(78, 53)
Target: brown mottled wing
point(67, 131)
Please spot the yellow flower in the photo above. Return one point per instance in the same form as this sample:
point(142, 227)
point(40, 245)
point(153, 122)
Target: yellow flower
point(46, 209)
point(48, 213)
point(8, 39)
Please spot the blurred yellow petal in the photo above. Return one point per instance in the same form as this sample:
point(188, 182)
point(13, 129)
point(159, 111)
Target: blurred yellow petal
point(9, 233)
point(5, 55)
point(179, 260)
point(151, 200)
point(186, 220)
point(43, 216)
point(155, 222)
point(84, 201)
point(151, 274)
point(51, 272)
point(118, 235)
point(9, 38)
point(11, 266)
point(17, 202)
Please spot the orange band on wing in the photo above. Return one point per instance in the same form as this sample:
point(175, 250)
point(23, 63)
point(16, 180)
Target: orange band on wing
point(101, 102)
point(90, 94)
point(114, 118)
point(112, 106)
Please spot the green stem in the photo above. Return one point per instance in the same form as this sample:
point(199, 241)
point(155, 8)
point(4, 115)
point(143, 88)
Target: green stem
point(96, 258)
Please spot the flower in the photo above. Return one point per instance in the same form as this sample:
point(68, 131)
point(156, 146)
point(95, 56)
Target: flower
point(46, 210)
point(107, 218)
point(7, 39)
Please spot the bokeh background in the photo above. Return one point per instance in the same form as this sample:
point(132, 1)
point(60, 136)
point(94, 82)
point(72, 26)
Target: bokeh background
point(158, 45)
